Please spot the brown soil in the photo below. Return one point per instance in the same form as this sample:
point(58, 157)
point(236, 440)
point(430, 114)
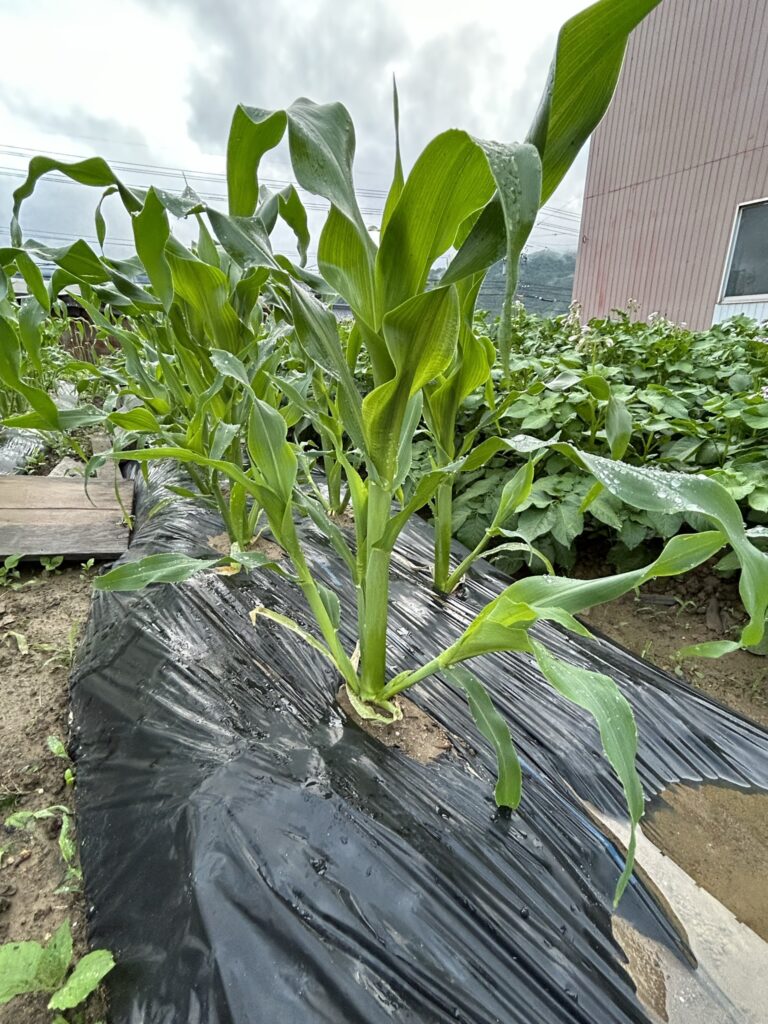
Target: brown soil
point(34, 668)
point(221, 543)
point(671, 613)
point(719, 836)
point(417, 734)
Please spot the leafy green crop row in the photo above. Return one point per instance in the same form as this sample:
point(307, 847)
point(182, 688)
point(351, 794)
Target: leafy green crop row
point(236, 368)
point(691, 402)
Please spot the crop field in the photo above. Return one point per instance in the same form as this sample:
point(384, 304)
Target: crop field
point(367, 556)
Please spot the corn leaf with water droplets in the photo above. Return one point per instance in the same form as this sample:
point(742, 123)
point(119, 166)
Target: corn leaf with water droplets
point(421, 337)
point(168, 567)
point(601, 697)
point(490, 723)
point(582, 78)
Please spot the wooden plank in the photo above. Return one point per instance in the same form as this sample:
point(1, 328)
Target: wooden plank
point(33, 492)
point(45, 516)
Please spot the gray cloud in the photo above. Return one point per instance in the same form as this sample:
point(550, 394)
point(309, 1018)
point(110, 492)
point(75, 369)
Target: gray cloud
point(266, 55)
point(74, 121)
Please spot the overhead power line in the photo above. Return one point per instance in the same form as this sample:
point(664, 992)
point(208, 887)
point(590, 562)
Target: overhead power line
point(168, 171)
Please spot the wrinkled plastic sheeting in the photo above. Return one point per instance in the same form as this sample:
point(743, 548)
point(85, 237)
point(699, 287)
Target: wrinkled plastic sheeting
point(251, 857)
point(17, 448)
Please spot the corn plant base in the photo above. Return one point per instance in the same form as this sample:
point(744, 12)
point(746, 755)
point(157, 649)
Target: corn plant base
point(416, 734)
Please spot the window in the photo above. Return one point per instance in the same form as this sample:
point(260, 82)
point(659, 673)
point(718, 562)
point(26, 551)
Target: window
point(747, 273)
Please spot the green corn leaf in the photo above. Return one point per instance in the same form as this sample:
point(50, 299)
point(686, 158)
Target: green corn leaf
point(425, 490)
point(206, 247)
point(681, 554)
point(331, 604)
point(45, 411)
point(94, 171)
point(509, 786)
point(601, 697)
point(80, 263)
point(582, 78)
point(98, 217)
point(168, 567)
point(411, 422)
point(421, 336)
point(514, 493)
point(322, 144)
point(224, 435)
point(471, 368)
point(243, 238)
point(618, 427)
point(397, 178)
point(252, 134)
point(65, 421)
point(33, 278)
point(32, 316)
point(711, 649)
point(272, 455)
point(449, 181)
point(523, 548)
point(664, 492)
point(206, 290)
point(318, 334)
point(85, 979)
point(503, 226)
point(151, 233)
point(501, 626)
point(287, 204)
point(230, 366)
point(329, 528)
point(140, 420)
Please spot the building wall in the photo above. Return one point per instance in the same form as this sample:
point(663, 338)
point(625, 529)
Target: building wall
point(684, 141)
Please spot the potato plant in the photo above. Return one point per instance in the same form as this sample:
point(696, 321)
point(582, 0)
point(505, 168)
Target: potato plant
point(653, 394)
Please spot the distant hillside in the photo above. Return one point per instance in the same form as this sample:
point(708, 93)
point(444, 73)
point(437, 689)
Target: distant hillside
point(545, 285)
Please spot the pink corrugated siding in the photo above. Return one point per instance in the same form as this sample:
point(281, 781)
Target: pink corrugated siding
point(684, 142)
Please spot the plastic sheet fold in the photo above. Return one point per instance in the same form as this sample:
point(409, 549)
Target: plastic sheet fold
point(251, 856)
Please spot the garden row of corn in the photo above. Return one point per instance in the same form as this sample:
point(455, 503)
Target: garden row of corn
point(236, 368)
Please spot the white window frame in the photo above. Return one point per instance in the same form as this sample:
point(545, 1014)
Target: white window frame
point(738, 299)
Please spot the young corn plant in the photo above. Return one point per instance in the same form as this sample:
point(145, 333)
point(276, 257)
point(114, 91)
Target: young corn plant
point(478, 200)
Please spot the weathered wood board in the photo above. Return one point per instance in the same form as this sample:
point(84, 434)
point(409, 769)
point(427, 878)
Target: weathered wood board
point(42, 515)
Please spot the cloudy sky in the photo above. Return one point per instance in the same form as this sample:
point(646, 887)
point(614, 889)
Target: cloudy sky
point(151, 87)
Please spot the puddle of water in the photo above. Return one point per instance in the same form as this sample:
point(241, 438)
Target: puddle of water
point(730, 983)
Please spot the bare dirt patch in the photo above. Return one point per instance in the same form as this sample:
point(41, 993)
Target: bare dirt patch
point(669, 614)
point(35, 894)
point(418, 735)
point(262, 545)
point(719, 835)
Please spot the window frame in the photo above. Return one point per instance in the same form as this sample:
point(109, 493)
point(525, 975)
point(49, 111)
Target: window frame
point(739, 299)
